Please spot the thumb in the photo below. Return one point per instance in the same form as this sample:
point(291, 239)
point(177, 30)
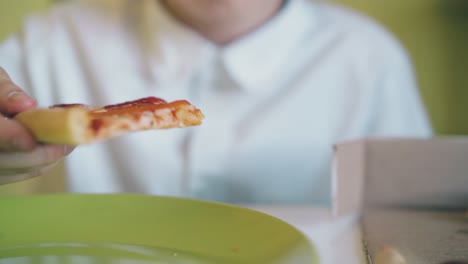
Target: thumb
point(12, 98)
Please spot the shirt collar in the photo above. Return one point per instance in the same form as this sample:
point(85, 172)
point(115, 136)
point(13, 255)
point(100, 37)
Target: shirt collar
point(254, 60)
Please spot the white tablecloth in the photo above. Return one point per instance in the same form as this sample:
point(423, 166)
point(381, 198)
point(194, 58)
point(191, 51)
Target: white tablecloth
point(337, 240)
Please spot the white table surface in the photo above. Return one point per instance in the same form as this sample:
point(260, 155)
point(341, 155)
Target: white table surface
point(337, 240)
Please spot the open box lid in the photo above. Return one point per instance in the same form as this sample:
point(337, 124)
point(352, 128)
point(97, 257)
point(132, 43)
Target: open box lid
point(404, 172)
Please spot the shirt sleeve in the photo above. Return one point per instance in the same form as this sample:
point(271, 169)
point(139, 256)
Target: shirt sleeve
point(398, 106)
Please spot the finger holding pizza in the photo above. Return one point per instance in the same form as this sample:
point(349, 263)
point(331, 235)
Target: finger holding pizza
point(21, 156)
point(13, 100)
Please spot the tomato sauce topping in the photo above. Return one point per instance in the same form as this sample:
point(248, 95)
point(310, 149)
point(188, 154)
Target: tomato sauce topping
point(96, 125)
point(138, 106)
point(137, 103)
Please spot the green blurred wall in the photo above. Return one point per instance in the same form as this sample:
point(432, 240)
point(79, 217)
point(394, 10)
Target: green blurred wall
point(435, 32)
point(12, 12)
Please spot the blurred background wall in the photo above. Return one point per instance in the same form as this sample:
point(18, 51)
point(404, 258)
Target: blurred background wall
point(12, 12)
point(435, 32)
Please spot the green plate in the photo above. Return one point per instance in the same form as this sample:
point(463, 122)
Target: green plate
point(137, 229)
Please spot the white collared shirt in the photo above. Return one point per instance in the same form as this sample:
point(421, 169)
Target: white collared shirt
point(275, 101)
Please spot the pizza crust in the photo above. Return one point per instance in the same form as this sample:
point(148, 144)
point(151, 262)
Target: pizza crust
point(57, 125)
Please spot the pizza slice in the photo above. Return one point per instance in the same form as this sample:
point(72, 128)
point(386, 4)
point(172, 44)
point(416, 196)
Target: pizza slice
point(76, 124)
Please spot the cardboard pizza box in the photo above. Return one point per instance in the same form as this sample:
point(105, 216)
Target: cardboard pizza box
point(400, 172)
